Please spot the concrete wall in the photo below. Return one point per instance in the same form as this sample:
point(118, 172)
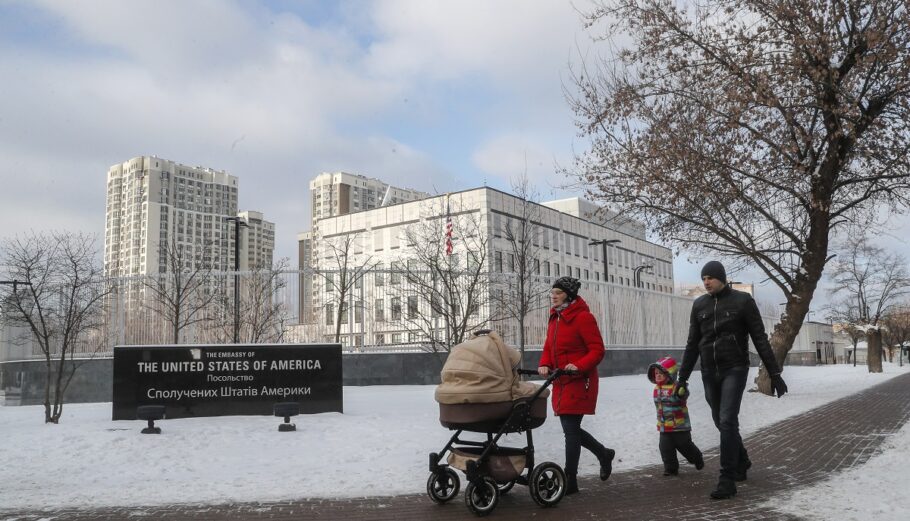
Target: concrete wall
point(22, 382)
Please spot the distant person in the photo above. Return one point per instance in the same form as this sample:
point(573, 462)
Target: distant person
point(672, 418)
point(574, 343)
point(720, 326)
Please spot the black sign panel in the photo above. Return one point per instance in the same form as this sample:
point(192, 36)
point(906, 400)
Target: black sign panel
point(220, 380)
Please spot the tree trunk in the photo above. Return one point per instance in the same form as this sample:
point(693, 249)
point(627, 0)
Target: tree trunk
point(785, 333)
point(47, 387)
point(58, 388)
point(874, 350)
point(521, 341)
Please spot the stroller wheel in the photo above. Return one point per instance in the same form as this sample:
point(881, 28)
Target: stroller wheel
point(442, 486)
point(505, 487)
point(547, 484)
point(481, 500)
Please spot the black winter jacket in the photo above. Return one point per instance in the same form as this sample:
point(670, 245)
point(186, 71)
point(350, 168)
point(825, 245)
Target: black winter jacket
point(719, 331)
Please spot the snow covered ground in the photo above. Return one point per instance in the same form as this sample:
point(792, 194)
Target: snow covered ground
point(378, 447)
point(875, 490)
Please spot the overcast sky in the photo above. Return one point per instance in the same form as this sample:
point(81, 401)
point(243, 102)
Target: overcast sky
point(435, 96)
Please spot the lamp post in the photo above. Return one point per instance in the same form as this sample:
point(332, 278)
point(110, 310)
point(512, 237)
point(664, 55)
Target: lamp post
point(637, 273)
point(604, 243)
point(15, 284)
point(238, 222)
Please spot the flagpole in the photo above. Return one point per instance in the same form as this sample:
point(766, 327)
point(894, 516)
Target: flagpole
point(448, 246)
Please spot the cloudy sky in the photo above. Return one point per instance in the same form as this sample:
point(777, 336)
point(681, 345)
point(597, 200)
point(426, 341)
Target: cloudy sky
point(430, 95)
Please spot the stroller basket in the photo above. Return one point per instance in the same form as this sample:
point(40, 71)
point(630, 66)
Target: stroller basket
point(504, 464)
point(491, 417)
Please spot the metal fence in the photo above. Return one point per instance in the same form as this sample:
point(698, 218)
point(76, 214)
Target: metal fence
point(382, 310)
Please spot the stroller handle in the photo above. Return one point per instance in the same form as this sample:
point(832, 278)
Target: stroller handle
point(554, 374)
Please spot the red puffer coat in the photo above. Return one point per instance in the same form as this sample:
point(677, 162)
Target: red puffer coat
point(573, 337)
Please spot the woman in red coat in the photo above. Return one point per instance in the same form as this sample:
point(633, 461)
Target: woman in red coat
point(574, 343)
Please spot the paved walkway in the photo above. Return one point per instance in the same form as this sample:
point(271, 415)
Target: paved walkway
point(789, 454)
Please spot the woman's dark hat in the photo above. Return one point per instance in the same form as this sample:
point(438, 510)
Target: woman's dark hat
point(569, 285)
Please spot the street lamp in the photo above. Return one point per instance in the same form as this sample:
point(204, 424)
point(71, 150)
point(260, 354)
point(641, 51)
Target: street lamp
point(637, 273)
point(604, 243)
point(238, 222)
point(15, 284)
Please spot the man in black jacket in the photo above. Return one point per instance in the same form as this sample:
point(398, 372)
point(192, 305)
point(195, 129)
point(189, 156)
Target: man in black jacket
point(719, 329)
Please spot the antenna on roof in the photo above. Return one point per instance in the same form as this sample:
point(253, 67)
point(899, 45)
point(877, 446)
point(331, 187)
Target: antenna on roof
point(386, 197)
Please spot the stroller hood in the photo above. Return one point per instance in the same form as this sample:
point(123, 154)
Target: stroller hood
point(482, 370)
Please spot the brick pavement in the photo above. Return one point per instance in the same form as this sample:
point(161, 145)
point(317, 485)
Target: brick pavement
point(789, 454)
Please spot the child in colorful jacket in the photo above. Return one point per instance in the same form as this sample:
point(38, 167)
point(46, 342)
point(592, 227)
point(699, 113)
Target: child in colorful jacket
point(672, 418)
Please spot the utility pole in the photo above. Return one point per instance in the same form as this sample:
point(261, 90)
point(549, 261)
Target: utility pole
point(238, 222)
point(637, 273)
point(604, 243)
point(15, 284)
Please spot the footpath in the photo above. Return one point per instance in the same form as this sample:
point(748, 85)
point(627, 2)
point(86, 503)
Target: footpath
point(787, 455)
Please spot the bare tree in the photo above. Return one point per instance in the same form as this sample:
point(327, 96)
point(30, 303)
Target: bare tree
point(262, 317)
point(843, 314)
point(344, 268)
point(872, 281)
point(750, 130)
point(522, 290)
point(60, 302)
point(183, 291)
point(454, 285)
point(897, 329)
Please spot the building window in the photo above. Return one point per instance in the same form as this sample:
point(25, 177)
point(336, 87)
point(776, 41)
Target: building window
point(329, 314)
point(396, 308)
point(395, 275)
point(412, 306)
point(378, 276)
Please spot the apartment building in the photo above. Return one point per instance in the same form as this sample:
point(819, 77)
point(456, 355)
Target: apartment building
point(153, 201)
point(341, 193)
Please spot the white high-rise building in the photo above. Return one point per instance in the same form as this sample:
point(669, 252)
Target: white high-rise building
point(257, 240)
point(562, 235)
point(341, 193)
point(153, 201)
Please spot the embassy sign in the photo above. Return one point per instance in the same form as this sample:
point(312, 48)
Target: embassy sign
point(223, 380)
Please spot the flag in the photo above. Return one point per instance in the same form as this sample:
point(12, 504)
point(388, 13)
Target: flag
point(448, 229)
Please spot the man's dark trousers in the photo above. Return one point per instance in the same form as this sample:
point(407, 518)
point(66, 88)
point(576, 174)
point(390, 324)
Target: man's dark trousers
point(724, 393)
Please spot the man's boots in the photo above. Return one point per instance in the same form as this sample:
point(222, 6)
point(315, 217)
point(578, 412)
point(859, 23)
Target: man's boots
point(741, 470)
point(726, 489)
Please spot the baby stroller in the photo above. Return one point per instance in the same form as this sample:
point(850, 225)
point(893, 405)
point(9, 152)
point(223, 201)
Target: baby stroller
point(481, 392)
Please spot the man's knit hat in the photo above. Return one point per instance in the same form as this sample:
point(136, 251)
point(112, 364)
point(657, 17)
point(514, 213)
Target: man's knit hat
point(667, 365)
point(569, 285)
point(715, 270)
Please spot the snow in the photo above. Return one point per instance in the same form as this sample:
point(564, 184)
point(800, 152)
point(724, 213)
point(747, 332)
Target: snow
point(378, 447)
point(872, 491)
